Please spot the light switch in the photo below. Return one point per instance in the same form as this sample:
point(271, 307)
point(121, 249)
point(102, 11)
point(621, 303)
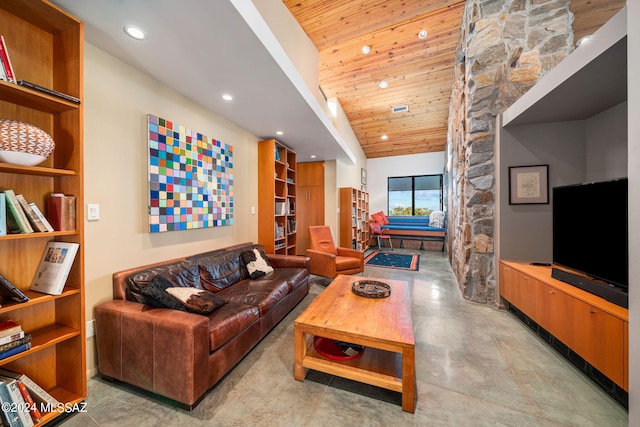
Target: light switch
point(253, 210)
point(93, 212)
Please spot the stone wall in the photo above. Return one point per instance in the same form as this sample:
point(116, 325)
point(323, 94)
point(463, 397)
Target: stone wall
point(505, 47)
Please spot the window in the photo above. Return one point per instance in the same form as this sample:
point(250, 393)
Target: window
point(414, 195)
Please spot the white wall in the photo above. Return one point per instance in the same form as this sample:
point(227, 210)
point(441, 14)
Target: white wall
point(348, 173)
point(379, 169)
point(117, 101)
point(606, 137)
point(345, 173)
point(295, 42)
point(562, 147)
point(331, 202)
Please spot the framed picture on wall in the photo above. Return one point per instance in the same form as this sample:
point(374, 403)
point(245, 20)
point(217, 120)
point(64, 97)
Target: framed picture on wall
point(529, 185)
point(363, 176)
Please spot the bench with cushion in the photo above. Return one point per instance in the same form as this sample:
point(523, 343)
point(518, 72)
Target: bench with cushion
point(421, 228)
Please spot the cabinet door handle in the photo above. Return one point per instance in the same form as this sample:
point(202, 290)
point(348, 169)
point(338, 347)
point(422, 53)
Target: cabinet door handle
point(552, 292)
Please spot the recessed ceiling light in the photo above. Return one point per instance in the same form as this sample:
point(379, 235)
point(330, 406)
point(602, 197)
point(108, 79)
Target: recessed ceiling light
point(227, 97)
point(384, 137)
point(135, 32)
point(366, 49)
point(279, 132)
point(313, 156)
point(383, 84)
point(422, 34)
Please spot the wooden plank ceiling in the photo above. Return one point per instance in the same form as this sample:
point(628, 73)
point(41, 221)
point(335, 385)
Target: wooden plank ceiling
point(418, 71)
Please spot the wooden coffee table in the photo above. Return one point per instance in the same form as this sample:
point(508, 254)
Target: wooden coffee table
point(382, 325)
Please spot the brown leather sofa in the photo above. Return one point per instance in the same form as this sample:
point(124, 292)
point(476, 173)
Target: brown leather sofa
point(180, 355)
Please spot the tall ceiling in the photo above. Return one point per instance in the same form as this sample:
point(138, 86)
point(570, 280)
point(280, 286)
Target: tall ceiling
point(418, 71)
point(201, 49)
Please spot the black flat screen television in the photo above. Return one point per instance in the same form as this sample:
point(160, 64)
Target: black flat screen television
point(590, 230)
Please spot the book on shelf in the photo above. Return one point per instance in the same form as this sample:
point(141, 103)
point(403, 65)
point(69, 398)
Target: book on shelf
point(15, 350)
point(15, 211)
point(36, 224)
point(15, 343)
point(6, 62)
point(49, 91)
point(36, 416)
point(38, 393)
point(279, 230)
point(9, 418)
point(41, 216)
point(3, 215)
point(9, 290)
point(280, 208)
point(61, 211)
point(55, 265)
point(3, 75)
point(20, 404)
point(9, 327)
point(11, 338)
point(12, 225)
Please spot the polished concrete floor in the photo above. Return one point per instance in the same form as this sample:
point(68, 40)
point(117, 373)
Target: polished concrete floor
point(475, 366)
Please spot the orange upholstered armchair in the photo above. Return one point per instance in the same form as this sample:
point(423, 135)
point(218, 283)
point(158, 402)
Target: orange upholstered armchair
point(327, 259)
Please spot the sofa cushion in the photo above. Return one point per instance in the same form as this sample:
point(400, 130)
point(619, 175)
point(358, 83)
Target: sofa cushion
point(263, 293)
point(199, 301)
point(295, 277)
point(229, 321)
point(256, 263)
point(156, 294)
point(181, 273)
point(219, 270)
point(436, 219)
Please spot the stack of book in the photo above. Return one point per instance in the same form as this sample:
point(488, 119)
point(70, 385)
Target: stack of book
point(13, 340)
point(18, 391)
point(18, 216)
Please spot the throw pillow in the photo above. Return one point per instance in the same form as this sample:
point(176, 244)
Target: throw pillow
point(256, 262)
point(156, 295)
point(436, 219)
point(378, 217)
point(196, 300)
point(385, 220)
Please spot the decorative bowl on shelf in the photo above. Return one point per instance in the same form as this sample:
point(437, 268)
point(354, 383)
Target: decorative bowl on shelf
point(23, 143)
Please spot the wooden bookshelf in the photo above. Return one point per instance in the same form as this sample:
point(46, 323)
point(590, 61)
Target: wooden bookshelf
point(46, 47)
point(277, 227)
point(354, 219)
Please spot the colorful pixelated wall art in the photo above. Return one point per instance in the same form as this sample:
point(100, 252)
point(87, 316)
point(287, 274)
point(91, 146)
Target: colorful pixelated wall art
point(190, 178)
